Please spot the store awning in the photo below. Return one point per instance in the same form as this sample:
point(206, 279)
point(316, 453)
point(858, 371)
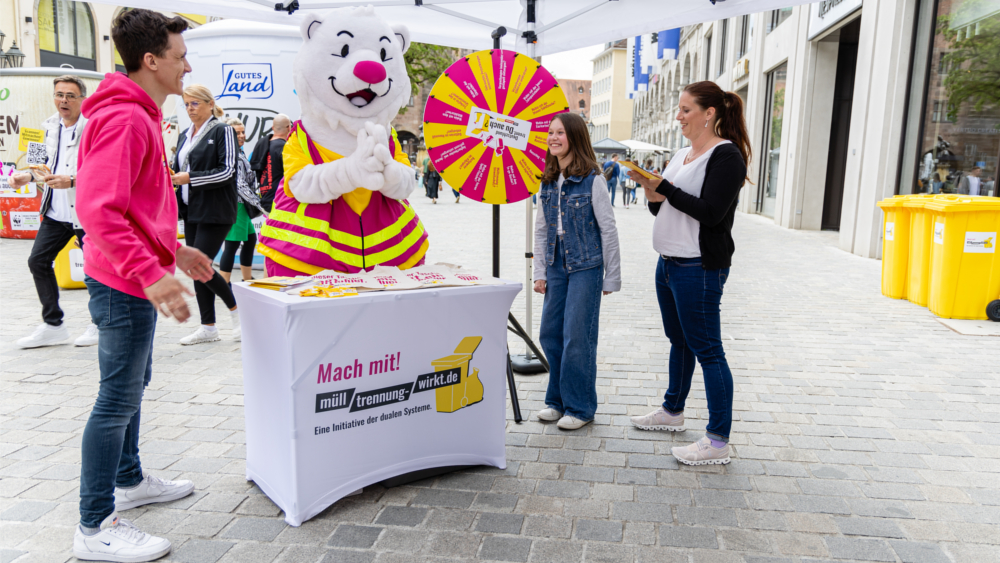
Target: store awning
point(557, 26)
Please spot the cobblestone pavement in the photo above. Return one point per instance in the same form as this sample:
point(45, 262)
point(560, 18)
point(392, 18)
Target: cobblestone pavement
point(865, 430)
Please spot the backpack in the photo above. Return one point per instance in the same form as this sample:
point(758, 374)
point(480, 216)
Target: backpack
point(609, 171)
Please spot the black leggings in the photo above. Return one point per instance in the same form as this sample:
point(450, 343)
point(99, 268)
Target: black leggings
point(229, 253)
point(208, 238)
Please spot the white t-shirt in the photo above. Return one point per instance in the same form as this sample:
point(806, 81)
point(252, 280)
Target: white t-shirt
point(974, 183)
point(675, 233)
point(59, 208)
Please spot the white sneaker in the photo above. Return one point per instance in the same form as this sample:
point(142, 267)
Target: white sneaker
point(152, 489)
point(549, 414)
point(702, 452)
point(660, 419)
point(237, 328)
point(571, 423)
point(88, 338)
point(119, 540)
point(203, 334)
point(45, 335)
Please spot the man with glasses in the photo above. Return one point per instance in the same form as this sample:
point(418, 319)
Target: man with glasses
point(58, 212)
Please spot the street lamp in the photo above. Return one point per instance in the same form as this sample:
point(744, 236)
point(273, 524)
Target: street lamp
point(14, 57)
point(590, 129)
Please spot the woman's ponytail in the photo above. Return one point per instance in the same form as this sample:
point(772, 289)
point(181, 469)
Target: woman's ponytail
point(217, 111)
point(730, 123)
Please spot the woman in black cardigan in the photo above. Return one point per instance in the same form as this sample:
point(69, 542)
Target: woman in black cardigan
point(206, 199)
point(694, 204)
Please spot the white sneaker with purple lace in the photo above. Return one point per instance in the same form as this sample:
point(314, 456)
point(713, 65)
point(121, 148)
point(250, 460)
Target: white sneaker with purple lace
point(702, 452)
point(660, 419)
point(152, 489)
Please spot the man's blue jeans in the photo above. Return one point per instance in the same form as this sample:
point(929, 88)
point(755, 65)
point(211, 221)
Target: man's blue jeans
point(568, 335)
point(110, 450)
point(690, 298)
point(612, 184)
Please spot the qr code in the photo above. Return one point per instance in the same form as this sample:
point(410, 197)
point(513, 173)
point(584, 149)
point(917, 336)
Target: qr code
point(37, 153)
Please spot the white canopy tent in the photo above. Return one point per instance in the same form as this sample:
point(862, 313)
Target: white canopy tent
point(533, 27)
point(640, 146)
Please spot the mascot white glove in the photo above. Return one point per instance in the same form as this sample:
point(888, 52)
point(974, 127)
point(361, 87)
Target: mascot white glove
point(320, 183)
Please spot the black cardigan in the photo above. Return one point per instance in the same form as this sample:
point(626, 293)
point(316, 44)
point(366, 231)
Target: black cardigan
point(715, 210)
point(212, 194)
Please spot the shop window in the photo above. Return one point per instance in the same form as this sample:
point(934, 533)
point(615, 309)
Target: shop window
point(746, 37)
point(773, 122)
point(778, 16)
point(722, 46)
point(66, 34)
point(952, 127)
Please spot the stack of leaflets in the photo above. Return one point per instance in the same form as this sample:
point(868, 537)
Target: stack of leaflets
point(281, 283)
point(388, 278)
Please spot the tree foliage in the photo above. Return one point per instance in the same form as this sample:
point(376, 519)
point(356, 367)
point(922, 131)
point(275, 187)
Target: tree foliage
point(973, 61)
point(425, 63)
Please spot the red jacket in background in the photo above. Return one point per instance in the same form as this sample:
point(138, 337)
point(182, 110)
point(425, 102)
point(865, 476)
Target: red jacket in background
point(125, 200)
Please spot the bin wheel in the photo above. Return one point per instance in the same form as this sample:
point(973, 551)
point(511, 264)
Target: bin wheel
point(993, 311)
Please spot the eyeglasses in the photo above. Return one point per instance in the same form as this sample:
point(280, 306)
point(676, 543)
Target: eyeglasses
point(67, 97)
point(192, 105)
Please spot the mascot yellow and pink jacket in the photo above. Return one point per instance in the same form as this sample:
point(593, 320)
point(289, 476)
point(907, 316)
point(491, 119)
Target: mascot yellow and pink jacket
point(342, 205)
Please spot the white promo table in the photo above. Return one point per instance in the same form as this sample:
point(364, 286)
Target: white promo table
point(342, 393)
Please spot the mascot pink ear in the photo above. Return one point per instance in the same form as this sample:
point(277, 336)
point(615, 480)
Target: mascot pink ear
point(310, 25)
point(403, 34)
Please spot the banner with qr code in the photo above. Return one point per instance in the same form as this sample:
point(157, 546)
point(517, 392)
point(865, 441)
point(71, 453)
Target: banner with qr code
point(37, 153)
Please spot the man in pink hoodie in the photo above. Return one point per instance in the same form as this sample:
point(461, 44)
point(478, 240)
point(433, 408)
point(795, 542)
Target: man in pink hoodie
point(127, 206)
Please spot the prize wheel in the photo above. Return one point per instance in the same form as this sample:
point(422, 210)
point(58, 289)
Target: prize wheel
point(486, 122)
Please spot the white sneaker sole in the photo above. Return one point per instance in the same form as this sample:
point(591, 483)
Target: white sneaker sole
point(79, 344)
point(202, 341)
point(659, 427)
point(543, 419)
point(722, 461)
point(151, 500)
point(91, 556)
point(574, 426)
point(41, 345)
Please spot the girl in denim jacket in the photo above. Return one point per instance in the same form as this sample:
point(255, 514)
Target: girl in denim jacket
point(576, 260)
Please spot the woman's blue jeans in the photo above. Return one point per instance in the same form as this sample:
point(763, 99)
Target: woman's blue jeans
point(110, 449)
point(568, 335)
point(690, 298)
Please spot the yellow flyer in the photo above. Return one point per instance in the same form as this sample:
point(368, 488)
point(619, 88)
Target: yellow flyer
point(637, 168)
point(29, 136)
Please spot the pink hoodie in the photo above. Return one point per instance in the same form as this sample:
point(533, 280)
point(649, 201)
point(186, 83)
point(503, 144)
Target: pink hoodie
point(125, 200)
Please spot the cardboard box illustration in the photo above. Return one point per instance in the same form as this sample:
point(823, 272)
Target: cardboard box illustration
point(469, 390)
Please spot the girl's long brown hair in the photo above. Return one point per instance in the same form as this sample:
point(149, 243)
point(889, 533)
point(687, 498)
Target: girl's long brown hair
point(583, 162)
point(729, 121)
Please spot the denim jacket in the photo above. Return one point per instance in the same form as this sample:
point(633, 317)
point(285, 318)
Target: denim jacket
point(581, 238)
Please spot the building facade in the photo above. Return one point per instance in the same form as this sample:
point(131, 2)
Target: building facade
point(61, 33)
point(577, 94)
point(611, 114)
point(846, 103)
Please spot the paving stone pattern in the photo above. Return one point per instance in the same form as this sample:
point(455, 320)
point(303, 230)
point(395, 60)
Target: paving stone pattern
point(864, 430)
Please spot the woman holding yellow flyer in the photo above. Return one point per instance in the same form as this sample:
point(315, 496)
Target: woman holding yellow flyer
point(576, 258)
point(694, 204)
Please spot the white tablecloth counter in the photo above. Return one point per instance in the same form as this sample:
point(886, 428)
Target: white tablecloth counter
point(342, 393)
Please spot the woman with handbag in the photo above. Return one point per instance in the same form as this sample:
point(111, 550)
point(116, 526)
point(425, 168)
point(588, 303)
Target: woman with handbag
point(207, 200)
point(248, 209)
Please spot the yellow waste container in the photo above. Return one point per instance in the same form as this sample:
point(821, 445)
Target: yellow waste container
point(895, 246)
point(469, 389)
point(918, 274)
point(69, 266)
point(964, 261)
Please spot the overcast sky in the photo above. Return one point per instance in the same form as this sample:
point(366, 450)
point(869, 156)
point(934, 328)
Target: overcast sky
point(573, 64)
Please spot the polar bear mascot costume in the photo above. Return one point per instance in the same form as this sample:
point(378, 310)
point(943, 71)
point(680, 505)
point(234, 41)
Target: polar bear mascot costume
point(342, 206)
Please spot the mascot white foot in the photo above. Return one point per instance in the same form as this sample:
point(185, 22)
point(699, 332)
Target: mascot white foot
point(342, 206)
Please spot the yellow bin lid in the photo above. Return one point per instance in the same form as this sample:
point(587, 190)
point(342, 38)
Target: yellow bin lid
point(917, 201)
point(463, 353)
point(958, 204)
point(891, 202)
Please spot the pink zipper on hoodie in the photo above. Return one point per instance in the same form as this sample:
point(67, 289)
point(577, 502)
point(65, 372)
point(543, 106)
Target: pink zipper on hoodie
point(125, 201)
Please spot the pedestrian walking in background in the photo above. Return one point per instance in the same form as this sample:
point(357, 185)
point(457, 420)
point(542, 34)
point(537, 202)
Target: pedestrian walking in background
point(266, 159)
point(432, 180)
point(129, 211)
point(612, 173)
point(58, 212)
point(576, 259)
point(694, 204)
point(971, 184)
point(207, 200)
point(242, 232)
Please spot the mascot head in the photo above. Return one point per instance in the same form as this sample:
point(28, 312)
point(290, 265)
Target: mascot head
point(350, 69)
